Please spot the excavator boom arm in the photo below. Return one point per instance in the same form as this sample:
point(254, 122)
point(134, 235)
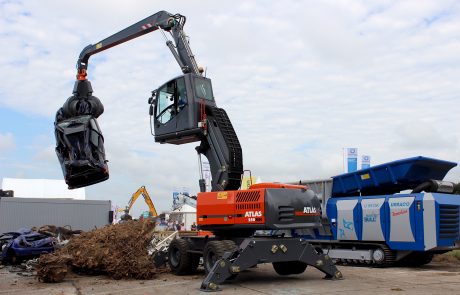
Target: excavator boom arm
point(160, 20)
point(134, 198)
point(149, 202)
point(142, 191)
point(185, 111)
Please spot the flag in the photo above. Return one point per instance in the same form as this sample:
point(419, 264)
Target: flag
point(365, 161)
point(352, 159)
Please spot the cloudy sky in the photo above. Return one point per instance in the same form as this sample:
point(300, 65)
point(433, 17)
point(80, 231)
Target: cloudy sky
point(300, 80)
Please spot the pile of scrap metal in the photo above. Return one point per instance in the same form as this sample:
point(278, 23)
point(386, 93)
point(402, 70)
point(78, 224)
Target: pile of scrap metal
point(118, 250)
point(62, 234)
point(26, 244)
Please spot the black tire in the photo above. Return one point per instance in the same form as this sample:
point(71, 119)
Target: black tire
point(213, 251)
point(416, 259)
point(230, 246)
point(180, 261)
point(194, 262)
point(226, 234)
point(428, 257)
point(285, 268)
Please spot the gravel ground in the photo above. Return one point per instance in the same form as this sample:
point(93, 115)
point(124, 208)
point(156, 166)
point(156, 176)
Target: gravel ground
point(434, 278)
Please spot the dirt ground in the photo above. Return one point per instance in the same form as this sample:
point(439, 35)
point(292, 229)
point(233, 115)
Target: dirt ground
point(434, 278)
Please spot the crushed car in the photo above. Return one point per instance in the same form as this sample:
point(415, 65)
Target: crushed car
point(79, 140)
point(24, 244)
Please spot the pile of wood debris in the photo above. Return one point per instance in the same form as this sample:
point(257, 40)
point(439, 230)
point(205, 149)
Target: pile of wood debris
point(118, 250)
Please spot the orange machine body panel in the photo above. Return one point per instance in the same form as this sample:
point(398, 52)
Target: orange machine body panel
point(277, 185)
point(231, 207)
point(267, 206)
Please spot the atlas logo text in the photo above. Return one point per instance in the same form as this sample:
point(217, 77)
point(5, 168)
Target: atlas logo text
point(309, 210)
point(253, 214)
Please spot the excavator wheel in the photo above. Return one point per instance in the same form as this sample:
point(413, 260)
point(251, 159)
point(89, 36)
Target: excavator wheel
point(180, 260)
point(230, 246)
point(285, 268)
point(213, 251)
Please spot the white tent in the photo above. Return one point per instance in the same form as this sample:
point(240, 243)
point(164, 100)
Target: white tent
point(41, 188)
point(186, 208)
point(185, 214)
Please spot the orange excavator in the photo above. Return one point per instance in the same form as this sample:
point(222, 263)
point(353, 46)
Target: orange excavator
point(184, 110)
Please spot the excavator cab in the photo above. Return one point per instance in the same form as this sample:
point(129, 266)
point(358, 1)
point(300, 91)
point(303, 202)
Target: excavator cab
point(183, 110)
point(177, 109)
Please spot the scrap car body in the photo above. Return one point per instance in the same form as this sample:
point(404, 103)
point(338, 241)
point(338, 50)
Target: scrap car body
point(24, 244)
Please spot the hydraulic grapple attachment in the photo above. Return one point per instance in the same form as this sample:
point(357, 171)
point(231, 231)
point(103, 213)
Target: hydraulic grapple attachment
point(79, 140)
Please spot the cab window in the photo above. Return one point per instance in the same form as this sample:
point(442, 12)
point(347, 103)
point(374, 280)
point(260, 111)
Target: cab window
point(182, 94)
point(203, 89)
point(172, 99)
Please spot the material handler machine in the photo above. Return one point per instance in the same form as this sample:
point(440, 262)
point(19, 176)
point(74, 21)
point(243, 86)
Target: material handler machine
point(184, 110)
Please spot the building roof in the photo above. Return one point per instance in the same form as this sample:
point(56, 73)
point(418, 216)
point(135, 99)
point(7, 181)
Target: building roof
point(41, 188)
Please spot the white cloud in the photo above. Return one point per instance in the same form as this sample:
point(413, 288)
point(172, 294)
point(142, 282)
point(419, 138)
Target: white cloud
point(300, 81)
point(6, 142)
point(46, 154)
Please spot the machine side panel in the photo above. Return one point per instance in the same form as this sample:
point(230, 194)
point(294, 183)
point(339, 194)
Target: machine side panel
point(401, 213)
point(429, 222)
point(250, 206)
point(447, 220)
point(346, 223)
point(216, 208)
point(287, 208)
point(372, 219)
point(331, 212)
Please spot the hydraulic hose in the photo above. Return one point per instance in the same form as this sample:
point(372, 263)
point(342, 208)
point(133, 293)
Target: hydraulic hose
point(436, 186)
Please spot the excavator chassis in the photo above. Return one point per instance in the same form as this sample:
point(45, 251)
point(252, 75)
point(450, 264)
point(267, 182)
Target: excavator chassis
point(288, 255)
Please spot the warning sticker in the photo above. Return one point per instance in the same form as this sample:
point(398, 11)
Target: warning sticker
point(365, 176)
point(222, 195)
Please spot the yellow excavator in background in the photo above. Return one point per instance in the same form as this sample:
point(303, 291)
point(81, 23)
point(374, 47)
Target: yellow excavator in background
point(141, 191)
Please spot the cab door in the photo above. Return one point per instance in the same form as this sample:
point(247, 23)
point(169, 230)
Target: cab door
point(167, 104)
point(175, 118)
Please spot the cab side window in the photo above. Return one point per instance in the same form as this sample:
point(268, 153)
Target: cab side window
point(171, 100)
point(203, 89)
point(182, 94)
point(165, 104)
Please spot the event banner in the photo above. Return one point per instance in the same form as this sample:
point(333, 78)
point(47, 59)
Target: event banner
point(352, 159)
point(365, 161)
